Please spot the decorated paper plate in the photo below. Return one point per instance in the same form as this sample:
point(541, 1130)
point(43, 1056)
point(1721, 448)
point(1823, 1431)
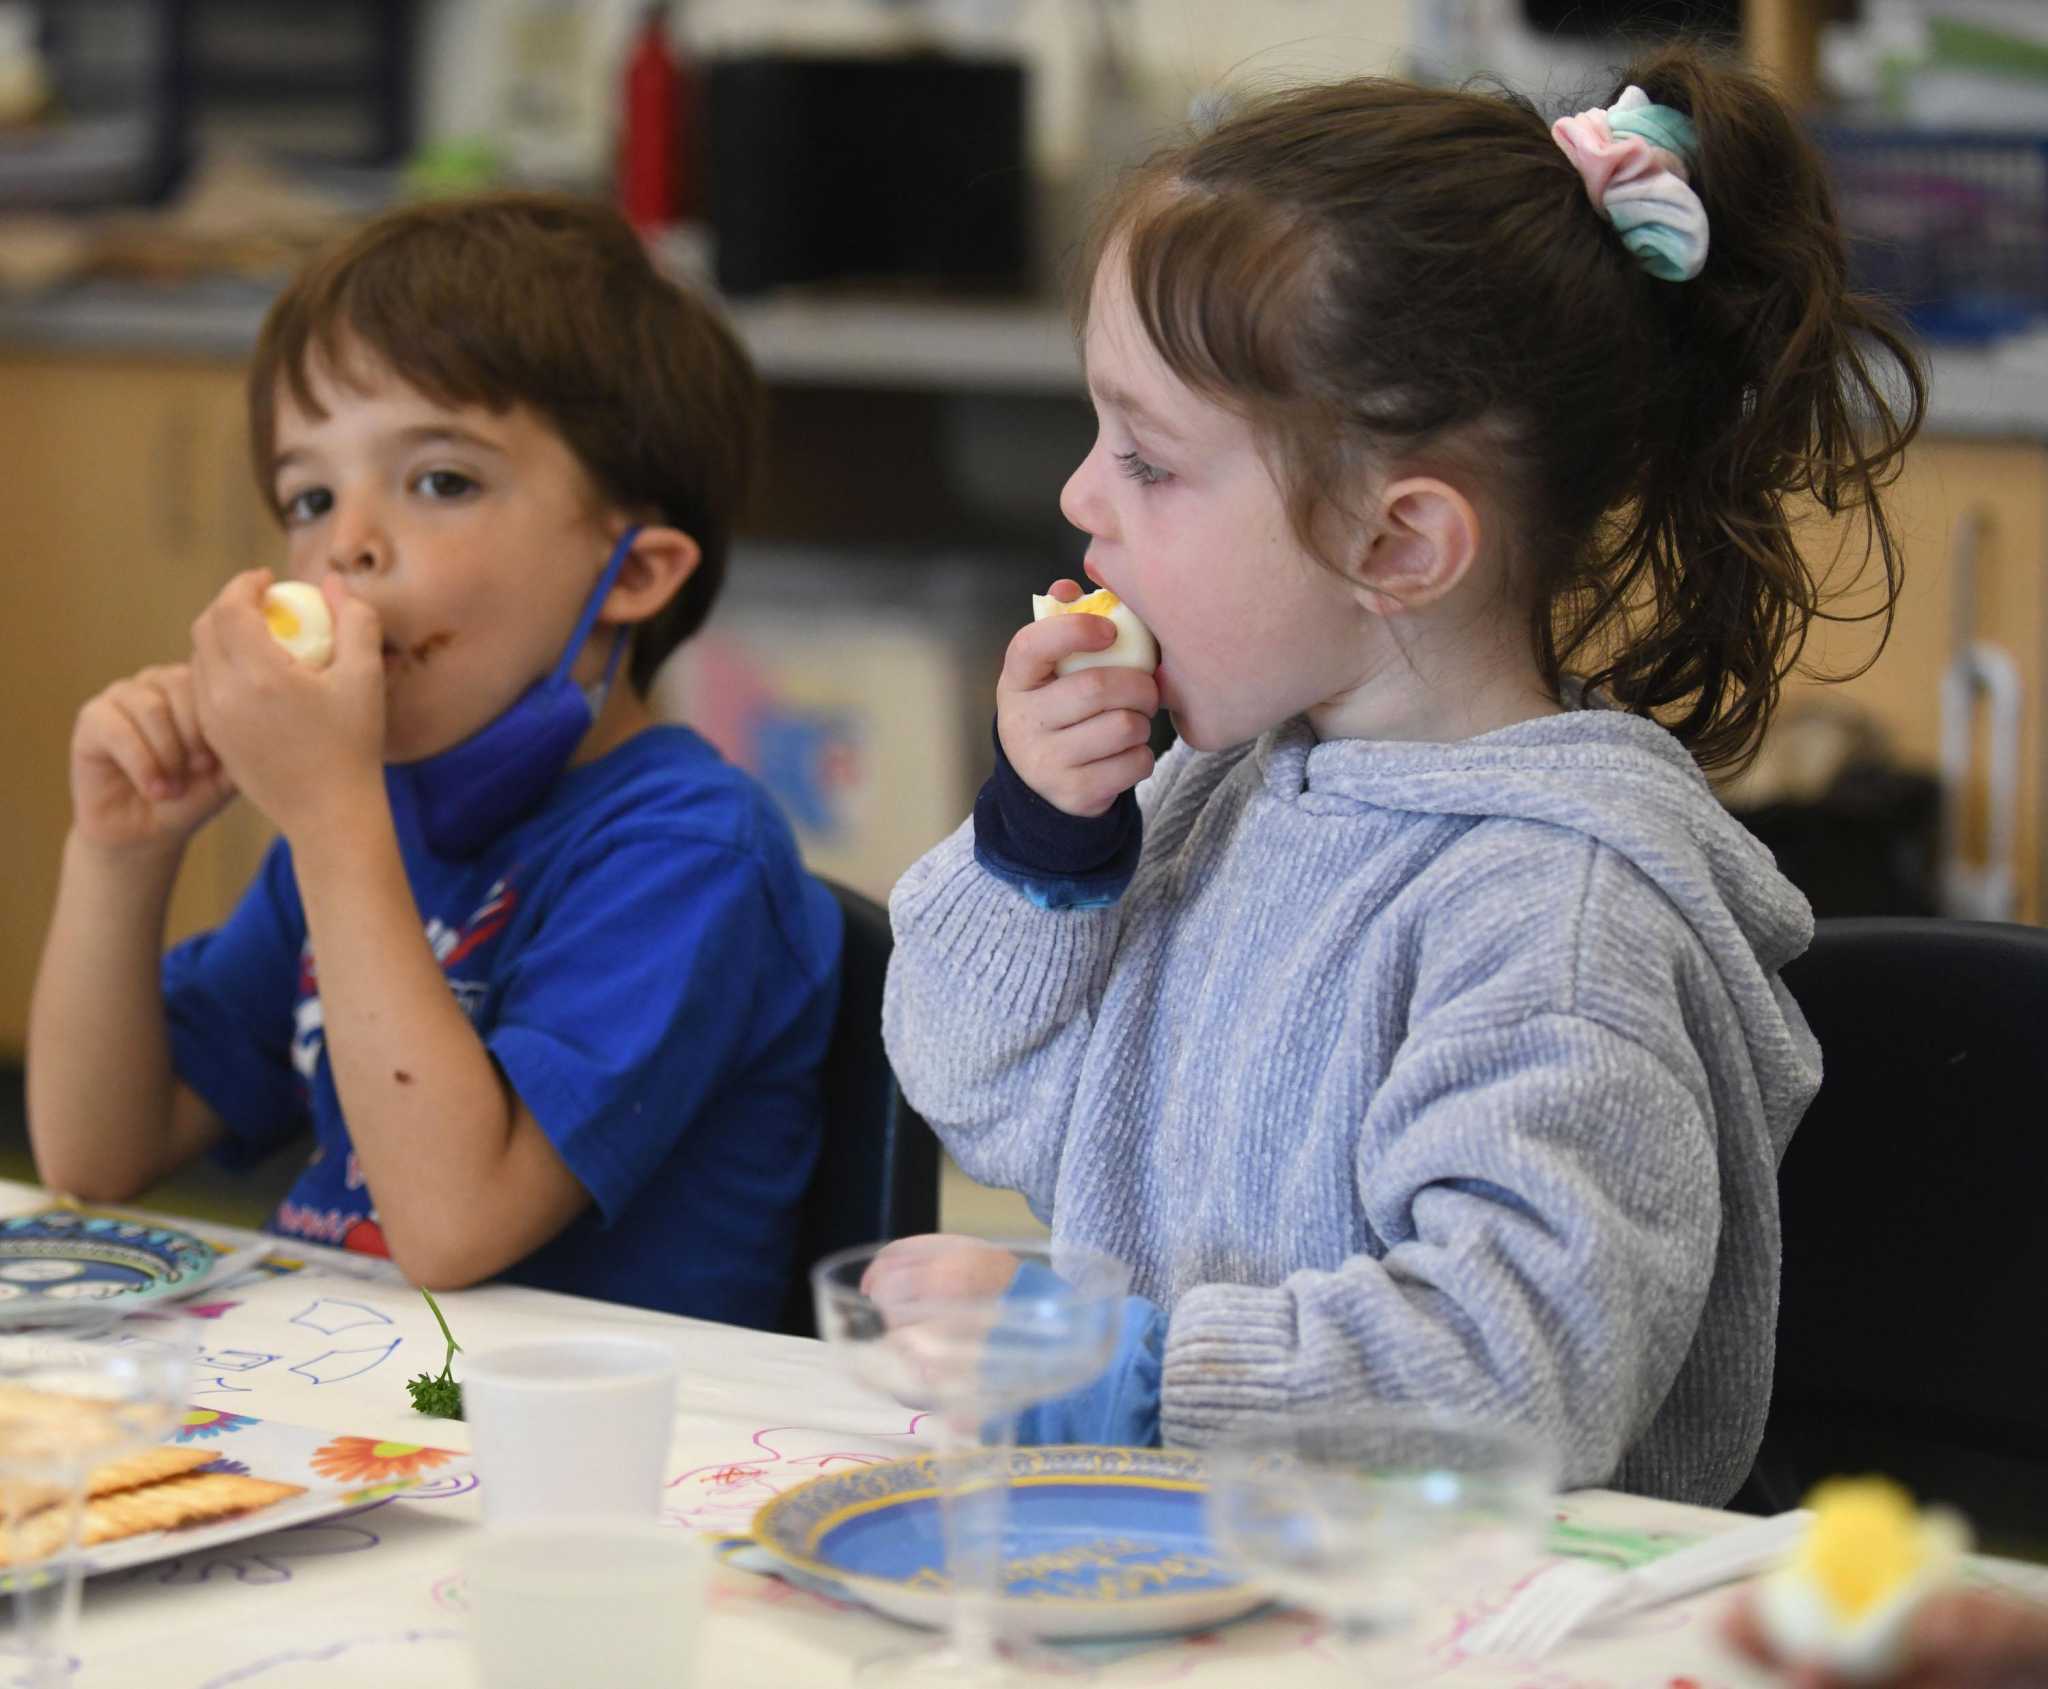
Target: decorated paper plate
point(52, 1261)
point(1099, 1542)
point(329, 1477)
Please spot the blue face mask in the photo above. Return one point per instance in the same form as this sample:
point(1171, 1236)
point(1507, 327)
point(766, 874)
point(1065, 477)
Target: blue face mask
point(470, 793)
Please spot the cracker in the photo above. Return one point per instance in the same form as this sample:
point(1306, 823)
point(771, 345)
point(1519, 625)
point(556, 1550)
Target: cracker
point(150, 1466)
point(19, 1497)
point(22, 1496)
point(28, 1402)
point(38, 1422)
point(196, 1499)
point(190, 1500)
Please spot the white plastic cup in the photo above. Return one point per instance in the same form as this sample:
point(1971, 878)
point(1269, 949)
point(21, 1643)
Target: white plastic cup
point(571, 1427)
point(590, 1601)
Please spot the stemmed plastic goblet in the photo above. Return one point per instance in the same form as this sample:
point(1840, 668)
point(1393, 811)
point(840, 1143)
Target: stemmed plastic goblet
point(1373, 1518)
point(977, 1360)
point(77, 1390)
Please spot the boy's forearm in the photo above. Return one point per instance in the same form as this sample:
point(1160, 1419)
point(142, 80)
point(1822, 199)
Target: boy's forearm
point(428, 1114)
point(99, 1065)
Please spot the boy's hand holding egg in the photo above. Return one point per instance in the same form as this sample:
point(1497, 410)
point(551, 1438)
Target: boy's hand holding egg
point(297, 617)
point(143, 777)
point(143, 773)
point(290, 687)
point(1075, 701)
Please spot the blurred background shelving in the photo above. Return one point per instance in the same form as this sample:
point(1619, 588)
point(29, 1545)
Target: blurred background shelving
point(922, 426)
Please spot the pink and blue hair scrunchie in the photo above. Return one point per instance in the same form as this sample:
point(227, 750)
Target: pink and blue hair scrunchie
point(1636, 160)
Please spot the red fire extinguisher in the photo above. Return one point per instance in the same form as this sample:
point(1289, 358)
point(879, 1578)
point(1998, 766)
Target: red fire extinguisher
point(657, 142)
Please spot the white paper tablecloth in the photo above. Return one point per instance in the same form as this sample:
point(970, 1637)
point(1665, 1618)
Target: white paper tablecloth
point(376, 1596)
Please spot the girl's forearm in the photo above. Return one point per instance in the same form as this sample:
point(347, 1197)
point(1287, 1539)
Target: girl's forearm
point(428, 1114)
point(99, 1065)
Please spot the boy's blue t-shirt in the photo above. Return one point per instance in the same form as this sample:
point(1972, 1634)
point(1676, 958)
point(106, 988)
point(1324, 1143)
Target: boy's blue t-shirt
point(652, 970)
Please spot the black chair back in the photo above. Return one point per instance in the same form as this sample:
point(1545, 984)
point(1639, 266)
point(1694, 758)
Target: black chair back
point(878, 1165)
point(1913, 1327)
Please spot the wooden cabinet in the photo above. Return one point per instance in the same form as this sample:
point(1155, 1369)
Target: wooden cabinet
point(1780, 36)
point(125, 500)
point(1952, 490)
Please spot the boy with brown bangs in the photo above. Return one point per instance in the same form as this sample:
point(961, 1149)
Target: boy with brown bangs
point(546, 979)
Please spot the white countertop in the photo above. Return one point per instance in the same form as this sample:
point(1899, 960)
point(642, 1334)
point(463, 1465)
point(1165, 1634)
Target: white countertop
point(1022, 347)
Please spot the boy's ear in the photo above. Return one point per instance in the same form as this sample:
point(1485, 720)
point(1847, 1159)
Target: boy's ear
point(1422, 544)
point(653, 573)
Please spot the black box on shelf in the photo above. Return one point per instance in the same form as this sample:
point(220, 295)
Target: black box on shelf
point(846, 168)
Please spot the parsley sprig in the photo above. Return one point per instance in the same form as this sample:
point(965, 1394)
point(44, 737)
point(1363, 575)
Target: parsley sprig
point(440, 1396)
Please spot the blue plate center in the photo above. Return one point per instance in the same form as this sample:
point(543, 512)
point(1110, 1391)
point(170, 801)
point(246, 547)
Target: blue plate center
point(1073, 1542)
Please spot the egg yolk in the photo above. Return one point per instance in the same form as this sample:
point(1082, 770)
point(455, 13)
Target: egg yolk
point(280, 620)
point(1865, 1542)
point(1097, 603)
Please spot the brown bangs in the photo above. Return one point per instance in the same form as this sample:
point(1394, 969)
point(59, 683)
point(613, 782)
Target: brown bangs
point(1229, 288)
point(465, 318)
point(550, 302)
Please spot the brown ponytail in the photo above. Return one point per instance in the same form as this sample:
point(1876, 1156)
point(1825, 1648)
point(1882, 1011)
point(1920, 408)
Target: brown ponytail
point(1371, 267)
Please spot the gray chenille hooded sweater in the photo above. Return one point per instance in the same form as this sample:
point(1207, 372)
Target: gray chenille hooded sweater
point(1443, 1073)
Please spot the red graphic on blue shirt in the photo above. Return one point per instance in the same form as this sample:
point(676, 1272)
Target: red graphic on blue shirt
point(331, 1202)
point(366, 1237)
point(484, 925)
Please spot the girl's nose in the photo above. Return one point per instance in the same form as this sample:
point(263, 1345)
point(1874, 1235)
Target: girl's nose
point(1081, 502)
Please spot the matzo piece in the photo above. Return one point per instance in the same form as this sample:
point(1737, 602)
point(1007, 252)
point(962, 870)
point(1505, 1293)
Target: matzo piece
point(177, 1501)
point(21, 1497)
point(41, 1426)
point(150, 1466)
point(192, 1500)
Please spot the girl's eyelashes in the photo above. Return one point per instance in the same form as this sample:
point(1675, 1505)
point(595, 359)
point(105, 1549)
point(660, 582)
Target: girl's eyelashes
point(1145, 474)
point(308, 505)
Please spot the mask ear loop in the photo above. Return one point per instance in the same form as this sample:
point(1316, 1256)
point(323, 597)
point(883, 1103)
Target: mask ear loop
point(607, 578)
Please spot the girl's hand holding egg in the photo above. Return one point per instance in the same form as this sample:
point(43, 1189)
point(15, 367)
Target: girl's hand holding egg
point(1075, 701)
point(1134, 647)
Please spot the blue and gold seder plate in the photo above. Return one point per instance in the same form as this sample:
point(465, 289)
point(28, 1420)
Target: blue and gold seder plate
point(54, 1261)
point(1099, 1542)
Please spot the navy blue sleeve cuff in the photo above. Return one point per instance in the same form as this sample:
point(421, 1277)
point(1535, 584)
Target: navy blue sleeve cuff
point(1121, 1408)
point(1059, 861)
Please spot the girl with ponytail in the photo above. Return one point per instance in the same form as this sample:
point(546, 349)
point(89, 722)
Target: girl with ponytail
point(1414, 1028)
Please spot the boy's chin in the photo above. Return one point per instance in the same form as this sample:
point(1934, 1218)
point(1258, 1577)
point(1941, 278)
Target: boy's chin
point(404, 745)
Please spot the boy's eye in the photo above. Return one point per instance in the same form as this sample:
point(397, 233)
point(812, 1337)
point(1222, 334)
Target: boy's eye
point(1146, 474)
point(445, 483)
point(308, 506)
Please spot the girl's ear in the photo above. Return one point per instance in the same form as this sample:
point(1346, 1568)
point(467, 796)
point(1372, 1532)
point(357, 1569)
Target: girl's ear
point(653, 573)
point(1422, 546)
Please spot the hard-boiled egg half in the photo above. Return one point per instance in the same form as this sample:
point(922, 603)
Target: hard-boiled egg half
point(1844, 1598)
point(1135, 648)
point(298, 620)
